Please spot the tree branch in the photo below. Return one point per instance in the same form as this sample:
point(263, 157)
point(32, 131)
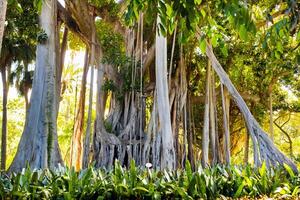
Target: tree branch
point(287, 135)
point(70, 22)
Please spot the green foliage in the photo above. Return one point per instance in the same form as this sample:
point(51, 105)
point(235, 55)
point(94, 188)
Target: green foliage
point(196, 16)
point(112, 44)
point(22, 79)
point(240, 18)
point(19, 40)
point(114, 55)
point(111, 6)
point(136, 183)
point(42, 37)
point(74, 42)
point(15, 125)
point(38, 5)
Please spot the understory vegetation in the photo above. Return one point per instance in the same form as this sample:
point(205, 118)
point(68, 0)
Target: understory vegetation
point(136, 183)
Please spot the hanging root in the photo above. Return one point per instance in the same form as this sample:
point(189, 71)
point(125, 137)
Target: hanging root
point(267, 150)
point(264, 149)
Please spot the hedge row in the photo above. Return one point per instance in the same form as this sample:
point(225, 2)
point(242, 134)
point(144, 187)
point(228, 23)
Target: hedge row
point(137, 183)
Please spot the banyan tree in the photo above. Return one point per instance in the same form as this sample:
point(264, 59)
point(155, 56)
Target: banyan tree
point(143, 66)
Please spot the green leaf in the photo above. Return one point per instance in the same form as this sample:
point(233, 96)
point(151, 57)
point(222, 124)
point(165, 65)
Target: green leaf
point(279, 47)
point(162, 30)
point(263, 169)
point(239, 190)
point(38, 5)
point(277, 55)
point(298, 35)
point(189, 171)
point(162, 7)
point(139, 188)
point(211, 21)
point(169, 10)
point(289, 170)
point(19, 8)
point(135, 9)
point(243, 32)
point(281, 33)
point(214, 41)
point(296, 191)
point(197, 2)
point(67, 196)
point(203, 13)
point(264, 44)
point(133, 173)
point(224, 50)
point(34, 177)
point(203, 46)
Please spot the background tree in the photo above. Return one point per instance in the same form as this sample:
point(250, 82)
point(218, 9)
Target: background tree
point(19, 44)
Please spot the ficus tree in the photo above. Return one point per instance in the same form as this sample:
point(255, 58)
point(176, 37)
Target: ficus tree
point(38, 146)
point(151, 58)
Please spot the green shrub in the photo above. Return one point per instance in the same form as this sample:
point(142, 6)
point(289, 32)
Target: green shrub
point(138, 183)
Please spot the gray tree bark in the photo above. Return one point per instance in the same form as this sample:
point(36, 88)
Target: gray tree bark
point(168, 153)
point(217, 142)
point(212, 122)
point(205, 132)
point(38, 146)
point(87, 138)
point(264, 148)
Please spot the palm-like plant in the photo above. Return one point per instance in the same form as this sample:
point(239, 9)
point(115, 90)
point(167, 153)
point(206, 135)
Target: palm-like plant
point(137, 183)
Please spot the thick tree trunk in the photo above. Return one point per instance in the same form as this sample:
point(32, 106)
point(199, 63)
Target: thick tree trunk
point(76, 148)
point(264, 148)
point(4, 117)
point(121, 134)
point(205, 132)
point(38, 146)
point(168, 154)
point(3, 6)
point(87, 139)
point(104, 143)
